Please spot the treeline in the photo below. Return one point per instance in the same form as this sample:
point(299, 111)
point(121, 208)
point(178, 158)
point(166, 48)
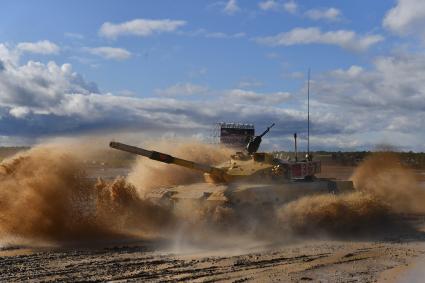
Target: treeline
point(354, 158)
point(411, 159)
point(8, 151)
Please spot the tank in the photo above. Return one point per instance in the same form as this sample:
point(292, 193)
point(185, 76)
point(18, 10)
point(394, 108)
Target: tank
point(247, 178)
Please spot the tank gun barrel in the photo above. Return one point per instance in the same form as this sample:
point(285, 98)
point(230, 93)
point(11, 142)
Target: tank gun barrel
point(166, 158)
point(267, 130)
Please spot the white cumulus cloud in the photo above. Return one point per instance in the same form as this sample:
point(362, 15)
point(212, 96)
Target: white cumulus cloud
point(408, 16)
point(231, 7)
point(38, 99)
point(19, 112)
point(381, 103)
point(110, 52)
point(248, 96)
point(290, 7)
point(212, 34)
point(275, 5)
point(346, 39)
point(40, 47)
point(329, 14)
point(182, 89)
point(269, 5)
point(38, 86)
point(352, 107)
point(139, 27)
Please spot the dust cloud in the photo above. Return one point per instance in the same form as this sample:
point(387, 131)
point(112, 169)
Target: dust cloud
point(387, 179)
point(352, 214)
point(46, 197)
point(383, 188)
point(149, 174)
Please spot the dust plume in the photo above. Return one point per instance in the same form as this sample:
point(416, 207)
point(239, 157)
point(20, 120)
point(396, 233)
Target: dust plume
point(198, 224)
point(352, 214)
point(148, 174)
point(387, 179)
point(383, 188)
point(46, 197)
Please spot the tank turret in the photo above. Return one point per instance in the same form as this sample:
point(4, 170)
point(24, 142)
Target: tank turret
point(253, 145)
point(249, 165)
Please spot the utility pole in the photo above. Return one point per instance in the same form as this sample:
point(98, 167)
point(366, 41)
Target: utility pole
point(308, 113)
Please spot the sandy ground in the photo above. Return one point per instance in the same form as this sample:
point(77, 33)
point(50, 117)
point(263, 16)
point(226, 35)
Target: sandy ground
point(317, 261)
point(395, 257)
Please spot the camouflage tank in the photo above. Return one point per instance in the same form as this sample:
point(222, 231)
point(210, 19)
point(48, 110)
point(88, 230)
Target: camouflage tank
point(247, 178)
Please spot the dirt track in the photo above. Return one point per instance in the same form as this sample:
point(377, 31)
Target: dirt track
point(323, 260)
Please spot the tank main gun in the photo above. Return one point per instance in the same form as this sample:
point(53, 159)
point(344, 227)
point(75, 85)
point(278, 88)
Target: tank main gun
point(216, 173)
point(253, 145)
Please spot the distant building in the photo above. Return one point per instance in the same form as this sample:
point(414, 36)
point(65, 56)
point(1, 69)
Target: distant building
point(236, 135)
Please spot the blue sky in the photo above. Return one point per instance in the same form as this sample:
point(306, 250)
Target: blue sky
point(70, 67)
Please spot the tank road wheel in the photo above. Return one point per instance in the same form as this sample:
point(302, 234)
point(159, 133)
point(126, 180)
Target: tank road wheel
point(332, 188)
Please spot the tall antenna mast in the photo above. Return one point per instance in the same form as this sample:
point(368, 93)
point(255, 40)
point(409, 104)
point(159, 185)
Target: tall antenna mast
point(308, 113)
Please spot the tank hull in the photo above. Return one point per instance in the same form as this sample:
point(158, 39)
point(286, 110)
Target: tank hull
point(246, 194)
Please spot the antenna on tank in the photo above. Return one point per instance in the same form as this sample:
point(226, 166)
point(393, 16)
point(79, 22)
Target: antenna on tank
point(308, 114)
